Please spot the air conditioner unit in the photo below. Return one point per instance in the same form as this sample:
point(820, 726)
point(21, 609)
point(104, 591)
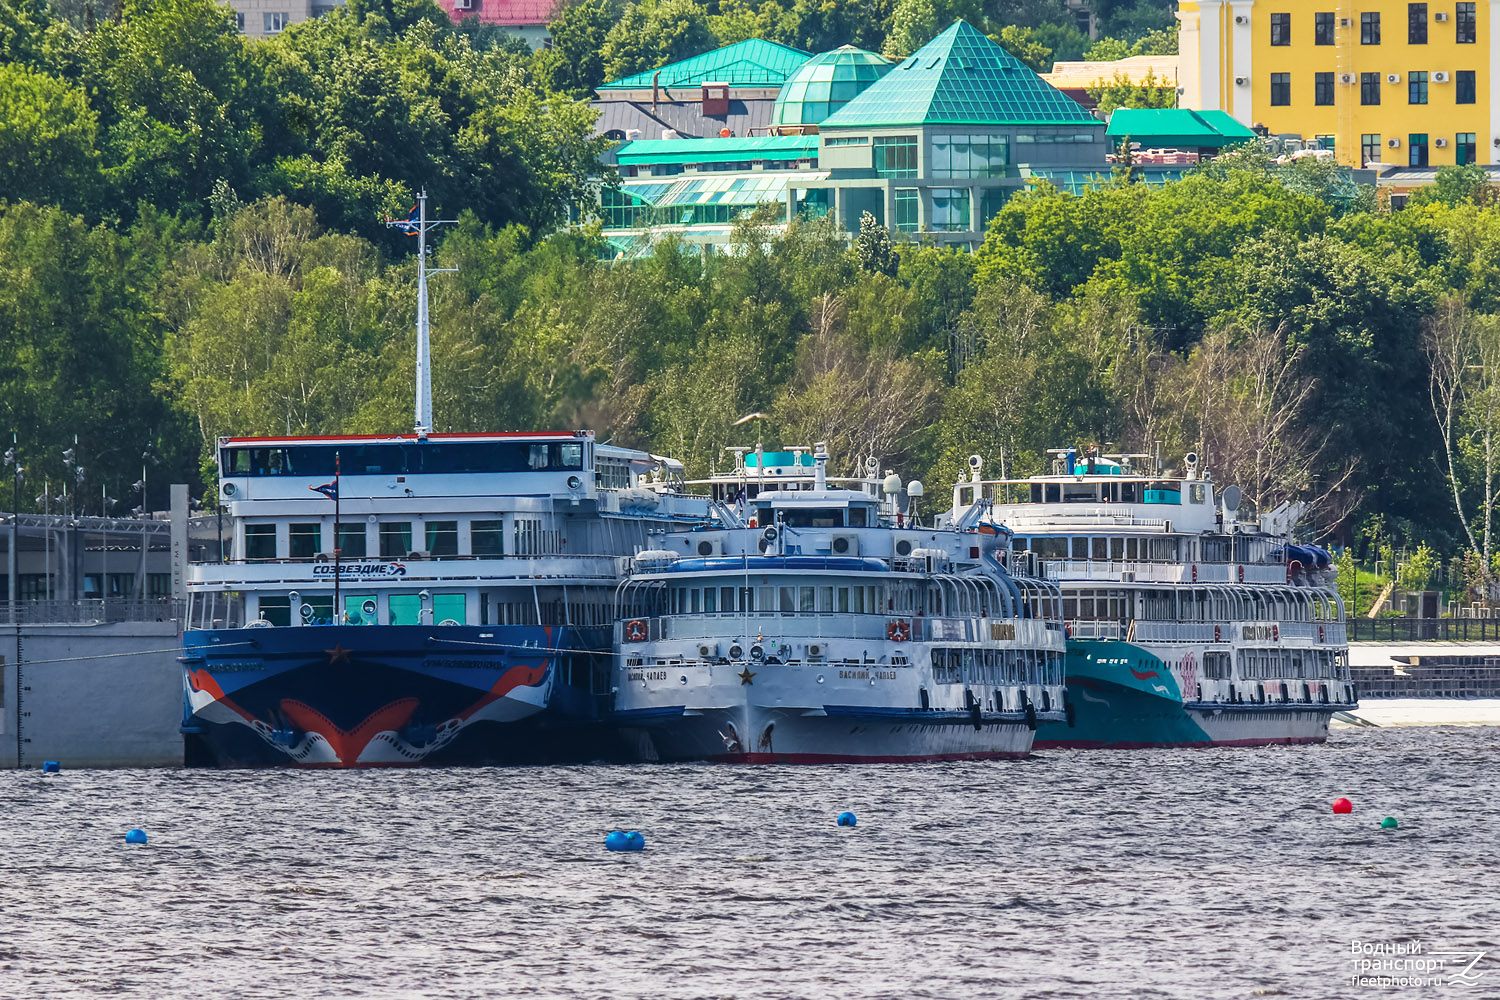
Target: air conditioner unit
point(463, 4)
point(710, 547)
point(1440, 142)
point(815, 651)
point(1440, 76)
point(1393, 143)
point(1346, 78)
point(1343, 22)
point(1496, 143)
point(1393, 78)
point(708, 650)
point(1241, 19)
point(1241, 81)
point(844, 545)
point(1127, 577)
point(1441, 15)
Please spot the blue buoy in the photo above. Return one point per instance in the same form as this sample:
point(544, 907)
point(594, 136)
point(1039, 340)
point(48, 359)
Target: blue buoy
point(619, 840)
point(136, 836)
point(51, 767)
point(846, 818)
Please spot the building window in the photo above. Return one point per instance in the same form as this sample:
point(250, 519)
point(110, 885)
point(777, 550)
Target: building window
point(1281, 90)
point(1465, 26)
point(908, 210)
point(1323, 28)
point(950, 210)
point(847, 140)
point(1281, 29)
point(275, 23)
point(895, 156)
point(260, 542)
point(1416, 145)
point(1369, 28)
point(969, 156)
point(1416, 24)
point(1326, 141)
point(239, 21)
point(1369, 149)
point(1463, 86)
point(1466, 144)
point(1322, 88)
point(1369, 88)
point(442, 538)
point(1416, 87)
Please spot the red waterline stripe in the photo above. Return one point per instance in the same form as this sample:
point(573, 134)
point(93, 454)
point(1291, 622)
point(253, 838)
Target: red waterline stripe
point(1101, 745)
point(840, 758)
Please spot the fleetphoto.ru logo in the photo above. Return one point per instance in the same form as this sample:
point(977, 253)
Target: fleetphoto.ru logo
point(1412, 963)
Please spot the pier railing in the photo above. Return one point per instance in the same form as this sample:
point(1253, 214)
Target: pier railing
point(89, 611)
point(1424, 630)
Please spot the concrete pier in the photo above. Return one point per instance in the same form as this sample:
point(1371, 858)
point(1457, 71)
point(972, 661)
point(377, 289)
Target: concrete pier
point(99, 694)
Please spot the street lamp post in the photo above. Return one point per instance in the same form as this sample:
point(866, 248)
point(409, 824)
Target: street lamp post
point(13, 459)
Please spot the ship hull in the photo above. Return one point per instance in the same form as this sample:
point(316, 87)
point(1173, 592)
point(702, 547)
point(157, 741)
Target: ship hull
point(1122, 696)
point(830, 735)
point(370, 696)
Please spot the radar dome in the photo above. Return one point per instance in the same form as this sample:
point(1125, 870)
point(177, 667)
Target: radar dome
point(825, 83)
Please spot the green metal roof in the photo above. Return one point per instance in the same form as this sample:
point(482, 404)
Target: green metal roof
point(751, 63)
point(1157, 127)
point(960, 78)
point(774, 147)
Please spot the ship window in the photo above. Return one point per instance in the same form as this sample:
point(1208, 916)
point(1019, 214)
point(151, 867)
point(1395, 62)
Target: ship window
point(395, 539)
point(1053, 492)
point(359, 609)
point(694, 600)
point(843, 604)
point(1117, 549)
point(788, 598)
point(814, 518)
point(1101, 548)
point(260, 542)
point(351, 540)
point(857, 517)
point(276, 610)
point(442, 538)
point(1130, 548)
point(448, 607)
point(805, 600)
point(710, 600)
point(1050, 548)
point(487, 538)
point(304, 540)
point(1127, 492)
point(765, 600)
point(726, 598)
point(825, 598)
point(1080, 548)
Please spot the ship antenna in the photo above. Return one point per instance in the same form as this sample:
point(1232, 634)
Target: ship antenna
point(417, 224)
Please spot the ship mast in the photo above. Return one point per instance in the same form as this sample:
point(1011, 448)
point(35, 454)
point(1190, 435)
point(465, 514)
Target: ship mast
point(417, 224)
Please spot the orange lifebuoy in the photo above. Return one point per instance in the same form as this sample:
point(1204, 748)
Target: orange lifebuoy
point(898, 631)
point(1217, 636)
point(635, 631)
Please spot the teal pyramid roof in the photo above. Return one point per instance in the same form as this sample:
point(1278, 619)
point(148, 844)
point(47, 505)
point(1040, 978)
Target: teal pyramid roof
point(751, 63)
point(960, 78)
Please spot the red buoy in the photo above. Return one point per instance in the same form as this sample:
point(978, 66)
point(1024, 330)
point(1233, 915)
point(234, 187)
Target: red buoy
point(1342, 806)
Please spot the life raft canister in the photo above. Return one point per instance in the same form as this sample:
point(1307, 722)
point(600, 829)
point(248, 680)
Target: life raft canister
point(1195, 572)
point(1217, 637)
point(635, 631)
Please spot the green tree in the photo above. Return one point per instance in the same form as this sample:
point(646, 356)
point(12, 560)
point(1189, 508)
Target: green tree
point(47, 136)
point(575, 63)
point(1122, 92)
point(1417, 569)
point(652, 33)
point(872, 247)
point(1024, 44)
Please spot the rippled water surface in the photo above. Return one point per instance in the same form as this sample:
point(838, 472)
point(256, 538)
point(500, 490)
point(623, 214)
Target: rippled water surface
point(1195, 874)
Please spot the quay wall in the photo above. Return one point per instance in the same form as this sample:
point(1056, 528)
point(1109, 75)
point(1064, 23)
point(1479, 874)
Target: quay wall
point(106, 694)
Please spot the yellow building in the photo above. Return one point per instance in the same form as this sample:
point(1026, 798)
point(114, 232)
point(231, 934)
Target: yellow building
point(1414, 84)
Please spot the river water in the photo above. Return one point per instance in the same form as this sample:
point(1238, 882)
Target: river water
point(1194, 874)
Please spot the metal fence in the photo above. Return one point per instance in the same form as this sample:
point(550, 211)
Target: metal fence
point(1424, 629)
point(89, 611)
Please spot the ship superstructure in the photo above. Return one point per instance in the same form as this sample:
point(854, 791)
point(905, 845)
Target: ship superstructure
point(1188, 624)
point(809, 625)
